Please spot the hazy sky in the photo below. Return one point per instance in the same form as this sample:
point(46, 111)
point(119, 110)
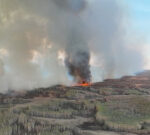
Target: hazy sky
point(139, 11)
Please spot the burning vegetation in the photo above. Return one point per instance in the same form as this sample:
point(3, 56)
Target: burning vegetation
point(84, 84)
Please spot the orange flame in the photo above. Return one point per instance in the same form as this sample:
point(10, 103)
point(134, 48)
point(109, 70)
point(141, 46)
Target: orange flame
point(84, 84)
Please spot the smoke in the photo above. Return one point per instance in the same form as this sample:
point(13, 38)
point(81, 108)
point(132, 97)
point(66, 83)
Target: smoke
point(92, 34)
point(78, 66)
point(76, 45)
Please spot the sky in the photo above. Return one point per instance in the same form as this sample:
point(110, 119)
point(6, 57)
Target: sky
point(139, 12)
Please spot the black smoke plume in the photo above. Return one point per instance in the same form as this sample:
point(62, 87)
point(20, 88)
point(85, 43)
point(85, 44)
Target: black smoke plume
point(78, 56)
point(79, 66)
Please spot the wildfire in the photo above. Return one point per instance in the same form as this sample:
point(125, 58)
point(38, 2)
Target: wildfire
point(84, 84)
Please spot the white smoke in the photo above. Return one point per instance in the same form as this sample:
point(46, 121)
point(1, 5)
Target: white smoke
point(34, 32)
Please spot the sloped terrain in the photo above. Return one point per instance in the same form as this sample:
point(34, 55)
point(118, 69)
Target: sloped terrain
point(113, 107)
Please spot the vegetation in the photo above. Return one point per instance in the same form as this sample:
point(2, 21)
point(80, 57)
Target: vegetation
point(124, 113)
point(63, 110)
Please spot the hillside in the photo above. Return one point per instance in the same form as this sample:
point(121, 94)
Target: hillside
point(113, 107)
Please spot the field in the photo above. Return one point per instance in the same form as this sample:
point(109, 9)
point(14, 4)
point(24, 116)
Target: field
point(113, 107)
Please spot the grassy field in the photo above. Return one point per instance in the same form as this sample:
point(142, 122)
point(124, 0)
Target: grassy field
point(124, 113)
point(76, 111)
